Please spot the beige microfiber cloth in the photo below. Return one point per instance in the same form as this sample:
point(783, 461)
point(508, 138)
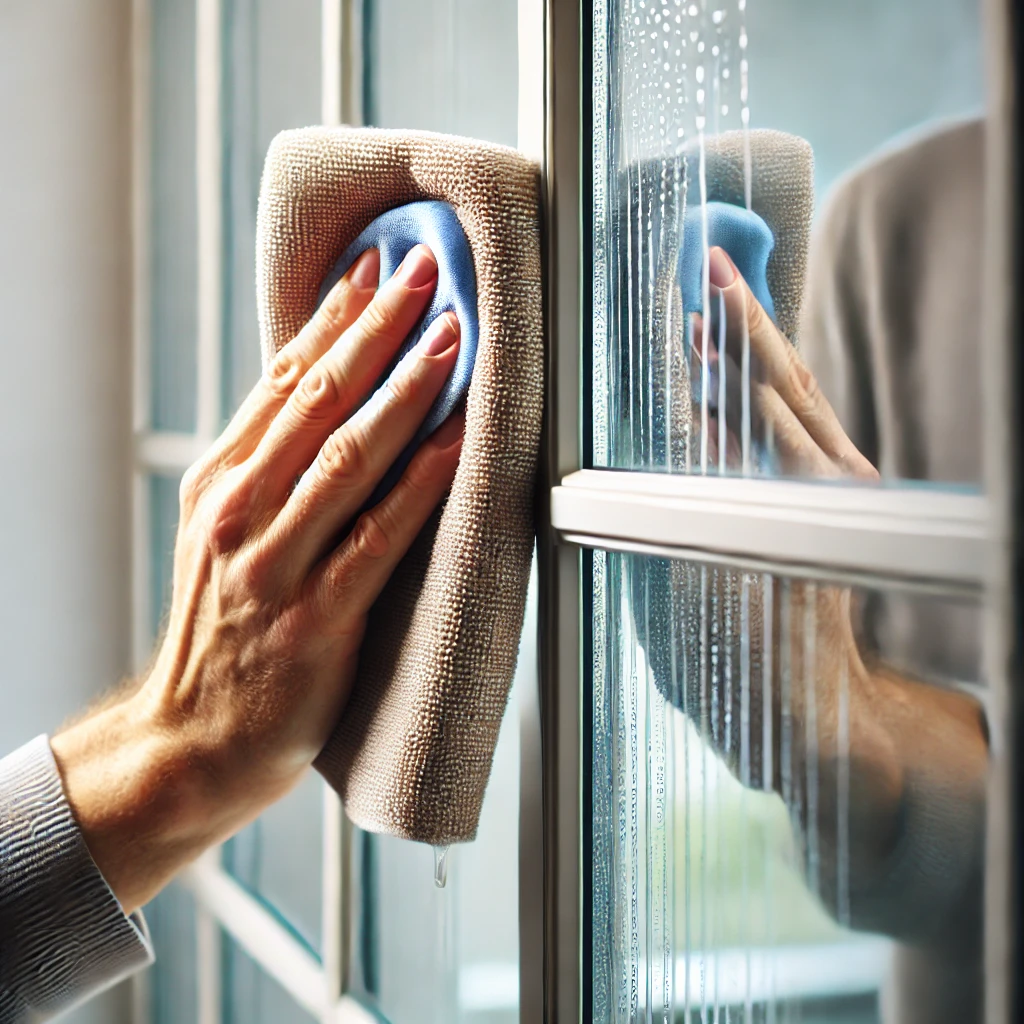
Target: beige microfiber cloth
point(412, 752)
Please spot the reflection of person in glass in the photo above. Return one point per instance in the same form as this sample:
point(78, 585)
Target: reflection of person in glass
point(890, 337)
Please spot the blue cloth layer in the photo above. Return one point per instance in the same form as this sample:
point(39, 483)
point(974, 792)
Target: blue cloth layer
point(742, 234)
point(394, 233)
point(749, 242)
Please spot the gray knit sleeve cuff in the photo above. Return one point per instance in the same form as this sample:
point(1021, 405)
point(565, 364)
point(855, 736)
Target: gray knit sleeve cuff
point(63, 935)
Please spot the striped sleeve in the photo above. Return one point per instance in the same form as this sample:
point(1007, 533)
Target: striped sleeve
point(63, 935)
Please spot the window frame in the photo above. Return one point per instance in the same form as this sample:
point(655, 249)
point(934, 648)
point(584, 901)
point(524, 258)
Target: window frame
point(974, 544)
point(976, 538)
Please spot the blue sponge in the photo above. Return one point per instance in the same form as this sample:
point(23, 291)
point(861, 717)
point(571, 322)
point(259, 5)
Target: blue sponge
point(742, 234)
point(394, 233)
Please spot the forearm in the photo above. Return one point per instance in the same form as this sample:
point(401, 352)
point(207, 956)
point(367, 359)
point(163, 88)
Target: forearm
point(143, 796)
point(915, 806)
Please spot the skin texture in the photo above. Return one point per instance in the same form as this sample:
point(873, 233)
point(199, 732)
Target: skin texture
point(911, 746)
point(275, 569)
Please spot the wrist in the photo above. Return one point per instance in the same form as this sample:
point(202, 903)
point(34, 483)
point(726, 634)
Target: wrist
point(138, 797)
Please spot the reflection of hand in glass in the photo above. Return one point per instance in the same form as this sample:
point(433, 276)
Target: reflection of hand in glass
point(885, 774)
point(790, 415)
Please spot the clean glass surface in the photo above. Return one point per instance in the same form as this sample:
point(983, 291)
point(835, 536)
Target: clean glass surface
point(447, 954)
point(272, 82)
point(751, 855)
point(173, 992)
point(250, 996)
point(425, 953)
point(172, 181)
point(671, 80)
point(443, 66)
point(163, 528)
point(278, 859)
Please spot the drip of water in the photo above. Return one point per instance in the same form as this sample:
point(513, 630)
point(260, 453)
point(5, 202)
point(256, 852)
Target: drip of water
point(440, 866)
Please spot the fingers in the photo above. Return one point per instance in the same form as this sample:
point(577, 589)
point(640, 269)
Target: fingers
point(780, 366)
point(337, 382)
point(358, 454)
point(340, 309)
point(354, 575)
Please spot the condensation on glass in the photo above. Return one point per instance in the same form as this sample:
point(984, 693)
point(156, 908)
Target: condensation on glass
point(680, 386)
point(735, 724)
point(745, 854)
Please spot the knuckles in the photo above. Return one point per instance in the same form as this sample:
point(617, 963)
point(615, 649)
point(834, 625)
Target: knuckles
point(318, 393)
point(226, 513)
point(380, 318)
point(282, 374)
point(342, 457)
point(369, 537)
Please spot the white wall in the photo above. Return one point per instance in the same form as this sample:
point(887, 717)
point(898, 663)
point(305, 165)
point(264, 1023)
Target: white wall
point(65, 334)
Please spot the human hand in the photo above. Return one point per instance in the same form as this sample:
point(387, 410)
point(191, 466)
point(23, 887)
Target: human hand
point(882, 751)
point(273, 581)
point(789, 415)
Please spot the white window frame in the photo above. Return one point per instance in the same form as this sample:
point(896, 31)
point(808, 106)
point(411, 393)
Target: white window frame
point(949, 544)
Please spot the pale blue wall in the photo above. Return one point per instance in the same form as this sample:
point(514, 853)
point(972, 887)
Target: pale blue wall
point(848, 75)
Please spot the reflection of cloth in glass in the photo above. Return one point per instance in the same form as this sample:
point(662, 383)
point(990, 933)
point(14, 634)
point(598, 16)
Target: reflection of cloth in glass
point(742, 234)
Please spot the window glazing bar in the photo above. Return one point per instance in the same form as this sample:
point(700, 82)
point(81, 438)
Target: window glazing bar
point(551, 863)
point(260, 935)
point(918, 535)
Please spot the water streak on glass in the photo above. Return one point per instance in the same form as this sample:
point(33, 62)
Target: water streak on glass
point(810, 665)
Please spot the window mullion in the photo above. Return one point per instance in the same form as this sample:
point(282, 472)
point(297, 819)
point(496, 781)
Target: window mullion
point(922, 537)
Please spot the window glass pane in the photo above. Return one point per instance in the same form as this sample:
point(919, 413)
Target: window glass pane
point(787, 810)
point(885, 315)
point(443, 66)
point(163, 520)
point(172, 180)
point(278, 858)
point(425, 953)
point(173, 994)
point(272, 82)
point(251, 996)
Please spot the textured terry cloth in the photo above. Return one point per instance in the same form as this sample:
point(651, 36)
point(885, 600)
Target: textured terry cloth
point(412, 752)
point(394, 233)
point(892, 335)
point(63, 935)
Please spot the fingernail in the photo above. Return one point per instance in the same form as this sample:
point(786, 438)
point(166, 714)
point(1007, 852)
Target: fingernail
point(365, 272)
point(418, 268)
point(441, 335)
point(720, 270)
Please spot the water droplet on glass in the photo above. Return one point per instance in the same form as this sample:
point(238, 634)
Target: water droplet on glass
point(440, 866)
point(700, 46)
point(717, 17)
